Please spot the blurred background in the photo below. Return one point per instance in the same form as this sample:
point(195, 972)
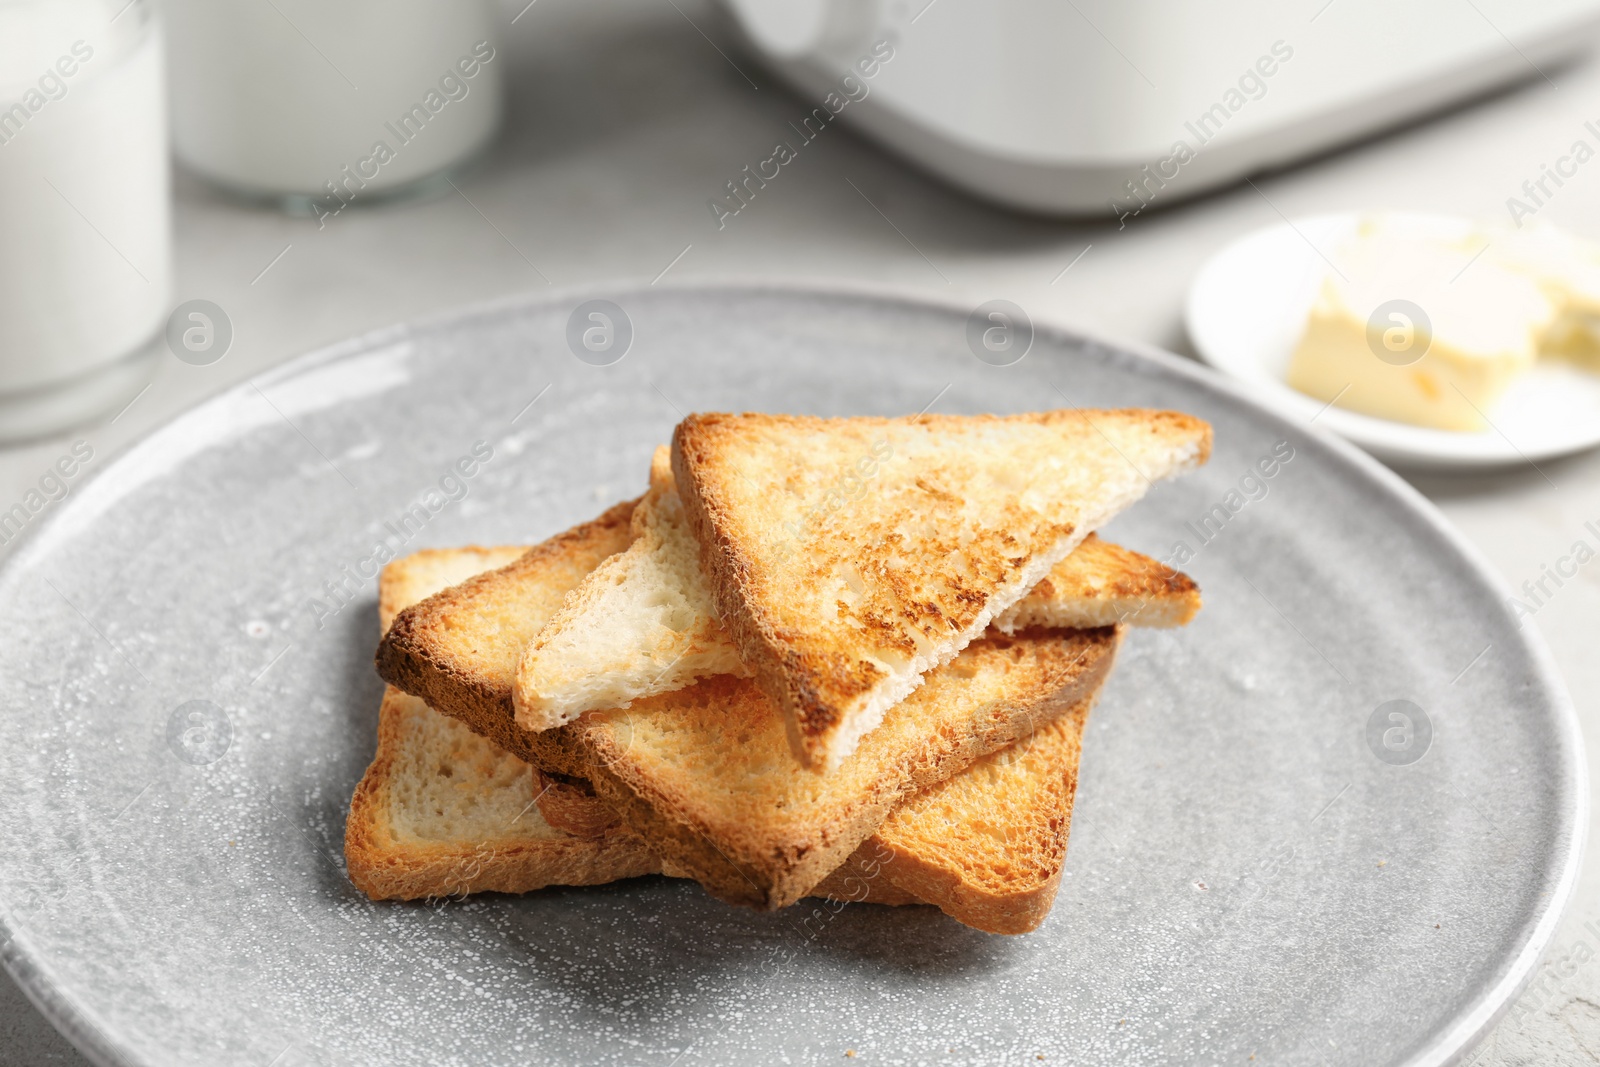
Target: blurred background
point(194, 191)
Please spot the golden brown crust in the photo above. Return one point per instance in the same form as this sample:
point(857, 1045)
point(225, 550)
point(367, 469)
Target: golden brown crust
point(823, 685)
point(1122, 572)
point(571, 805)
point(1126, 587)
point(406, 580)
point(388, 863)
point(1012, 890)
point(386, 868)
point(414, 655)
point(860, 879)
point(755, 859)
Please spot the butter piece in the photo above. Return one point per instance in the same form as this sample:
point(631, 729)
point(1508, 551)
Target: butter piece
point(1400, 331)
point(1567, 268)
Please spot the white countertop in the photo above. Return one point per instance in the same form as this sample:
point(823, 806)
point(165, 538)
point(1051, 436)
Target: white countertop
point(625, 120)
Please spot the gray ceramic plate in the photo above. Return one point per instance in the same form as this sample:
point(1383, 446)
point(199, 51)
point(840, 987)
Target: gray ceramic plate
point(1264, 860)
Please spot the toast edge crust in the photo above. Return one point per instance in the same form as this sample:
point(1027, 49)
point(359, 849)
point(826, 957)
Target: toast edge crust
point(822, 730)
point(406, 661)
point(1142, 592)
point(1019, 910)
point(423, 871)
point(753, 873)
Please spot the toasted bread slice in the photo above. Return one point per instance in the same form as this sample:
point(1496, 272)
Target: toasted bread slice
point(987, 846)
point(442, 811)
point(643, 622)
point(849, 557)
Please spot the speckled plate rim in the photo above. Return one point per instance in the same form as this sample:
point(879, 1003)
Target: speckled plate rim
point(73, 1019)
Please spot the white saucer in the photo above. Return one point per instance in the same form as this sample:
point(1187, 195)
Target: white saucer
point(1245, 312)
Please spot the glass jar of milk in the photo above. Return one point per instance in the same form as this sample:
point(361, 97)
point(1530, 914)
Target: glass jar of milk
point(85, 231)
point(318, 104)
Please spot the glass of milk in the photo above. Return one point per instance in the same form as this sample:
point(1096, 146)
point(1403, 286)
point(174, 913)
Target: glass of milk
point(85, 231)
point(319, 104)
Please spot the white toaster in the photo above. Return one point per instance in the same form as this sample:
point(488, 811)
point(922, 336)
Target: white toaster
point(1111, 106)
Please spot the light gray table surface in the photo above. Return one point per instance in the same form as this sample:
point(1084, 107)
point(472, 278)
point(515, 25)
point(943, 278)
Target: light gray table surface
point(625, 119)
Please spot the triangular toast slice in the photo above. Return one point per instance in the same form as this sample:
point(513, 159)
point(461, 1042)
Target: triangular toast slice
point(456, 648)
point(987, 846)
point(443, 812)
point(643, 623)
point(847, 558)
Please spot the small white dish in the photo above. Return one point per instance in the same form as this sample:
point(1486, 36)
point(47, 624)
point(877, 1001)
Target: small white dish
point(1248, 305)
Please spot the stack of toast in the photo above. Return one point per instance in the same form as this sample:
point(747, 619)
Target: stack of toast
point(844, 658)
